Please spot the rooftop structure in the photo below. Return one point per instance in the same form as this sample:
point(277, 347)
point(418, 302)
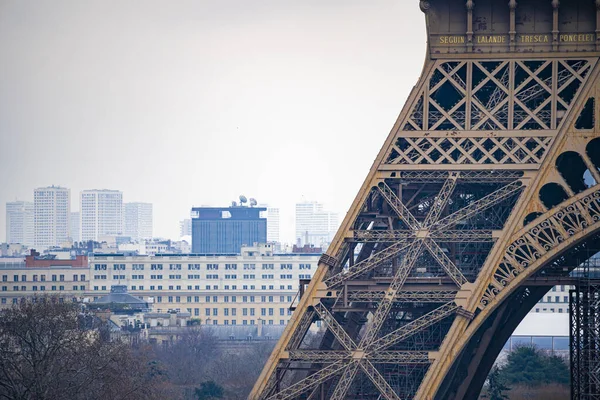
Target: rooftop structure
point(223, 230)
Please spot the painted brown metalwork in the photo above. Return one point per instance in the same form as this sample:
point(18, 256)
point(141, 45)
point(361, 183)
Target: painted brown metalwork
point(484, 193)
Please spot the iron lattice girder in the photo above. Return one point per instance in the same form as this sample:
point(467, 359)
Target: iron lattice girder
point(309, 382)
point(367, 264)
point(447, 264)
point(421, 296)
point(450, 236)
point(480, 205)
point(413, 327)
point(376, 357)
point(398, 206)
point(335, 327)
point(379, 381)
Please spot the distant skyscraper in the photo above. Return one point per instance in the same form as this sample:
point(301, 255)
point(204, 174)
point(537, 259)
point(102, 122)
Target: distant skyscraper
point(19, 222)
point(75, 228)
point(272, 223)
point(218, 230)
point(101, 213)
point(314, 225)
point(52, 211)
point(138, 221)
point(185, 227)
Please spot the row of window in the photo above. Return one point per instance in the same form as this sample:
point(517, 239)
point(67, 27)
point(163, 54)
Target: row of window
point(41, 288)
point(565, 299)
point(214, 312)
point(207, 287)
point(244, 321)
point(192, 267)
point(208, 276)
point(42, 278)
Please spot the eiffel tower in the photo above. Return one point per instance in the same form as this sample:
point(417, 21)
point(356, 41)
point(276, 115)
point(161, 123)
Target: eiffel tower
point(484, 195)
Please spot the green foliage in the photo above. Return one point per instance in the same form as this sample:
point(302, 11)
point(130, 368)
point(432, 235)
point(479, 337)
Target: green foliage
point(496, 385)
point(532, 367)
point(209, 390)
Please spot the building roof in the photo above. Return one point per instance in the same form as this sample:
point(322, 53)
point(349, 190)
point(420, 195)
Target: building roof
point(119, 296)
point(543, 324)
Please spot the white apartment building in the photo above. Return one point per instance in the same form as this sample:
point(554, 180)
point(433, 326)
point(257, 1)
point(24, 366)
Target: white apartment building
point(185, 227)
point(138, 221)
point(19, 222)
point(67, 279)
point(272, 224)
point(314, 225)
point(256, 287)
point(555, 301)
point(101, 213)
point(75, 221)
point(52, 210)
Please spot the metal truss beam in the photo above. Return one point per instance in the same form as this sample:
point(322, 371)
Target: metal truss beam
point(379, 381)
point(441, 200)
point(452, 236)
point(420, 296)
point(447, 264)
point(399, 208)
point(309, 382)
point(415, 326)
point(335, 327)
point(480, 205)
point(386, 303)
point(368, 264)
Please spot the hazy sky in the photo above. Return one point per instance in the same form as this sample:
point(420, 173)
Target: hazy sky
point(183, 103)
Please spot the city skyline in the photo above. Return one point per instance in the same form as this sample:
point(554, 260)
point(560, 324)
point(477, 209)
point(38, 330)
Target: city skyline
point(199, 102)
point(273, 212)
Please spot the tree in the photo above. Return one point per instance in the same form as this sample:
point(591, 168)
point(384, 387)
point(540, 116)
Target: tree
point(532, 367)
point(209, 390)
point(47, 351)
point(524, 365)
point(496, 385)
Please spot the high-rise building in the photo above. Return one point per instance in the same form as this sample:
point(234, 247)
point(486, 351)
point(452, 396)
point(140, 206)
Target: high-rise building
point(314, 225)
point(138, 221)
point(272, 224)
point(75, 227)
point(19, 222)
point(101, 213)
point(52, 211)
point(185, 227)
point(217, 230)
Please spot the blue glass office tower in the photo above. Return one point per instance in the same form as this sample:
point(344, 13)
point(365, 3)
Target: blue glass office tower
point(223, 230)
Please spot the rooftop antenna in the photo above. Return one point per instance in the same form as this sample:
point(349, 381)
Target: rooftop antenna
point(253, 202)
point(243, 199)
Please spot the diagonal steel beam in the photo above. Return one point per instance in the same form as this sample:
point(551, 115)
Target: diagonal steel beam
point(446, 263)
point(399, 208)
point(386, 303)
point(309, 382)
point(300, 332)
point(480, 205)
point(335, 327)
point(367, 264)
point(441, 200)
point(379, 381)
point(413, 327)
point(341, 389)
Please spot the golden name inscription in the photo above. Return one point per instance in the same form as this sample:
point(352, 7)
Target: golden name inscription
point(576, 37)
point(491, 39)
point(452, 39)
point(534, 38)
point(521, 38)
